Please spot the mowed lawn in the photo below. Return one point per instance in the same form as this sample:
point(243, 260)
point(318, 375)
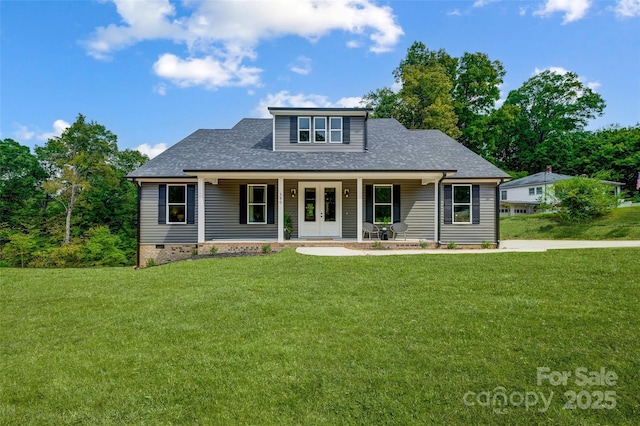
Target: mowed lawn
point(292, 339)
point(620, 224)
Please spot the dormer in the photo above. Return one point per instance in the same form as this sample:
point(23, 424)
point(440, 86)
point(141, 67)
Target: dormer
point(319, 129)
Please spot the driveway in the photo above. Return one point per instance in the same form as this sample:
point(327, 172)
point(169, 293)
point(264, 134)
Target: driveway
point(505, 247)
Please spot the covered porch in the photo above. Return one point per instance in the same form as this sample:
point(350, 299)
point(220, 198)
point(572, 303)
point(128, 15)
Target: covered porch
point(322, 207)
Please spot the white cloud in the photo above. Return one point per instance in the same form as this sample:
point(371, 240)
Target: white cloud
point(302, 65)
point(220, 35)
point(208, 71)
point(353, 44)
point(23, 133)
point(302, 100)
point(482, 3)
point(152, 150)
point(573, 10)
point(59, 126)
point(455, 12)
point(627, 8)
point(160, 89)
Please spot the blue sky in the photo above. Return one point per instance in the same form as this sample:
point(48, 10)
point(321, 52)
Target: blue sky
point(153, 72)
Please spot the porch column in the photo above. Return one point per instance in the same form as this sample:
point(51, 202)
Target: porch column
point(359, 208)
point(201, 213)
point(436, 201)
point(280, 210)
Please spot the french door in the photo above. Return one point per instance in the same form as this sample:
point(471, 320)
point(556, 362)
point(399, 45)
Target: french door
point(319, 209)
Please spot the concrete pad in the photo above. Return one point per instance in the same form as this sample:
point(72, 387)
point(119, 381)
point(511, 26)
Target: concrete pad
point(505, 247)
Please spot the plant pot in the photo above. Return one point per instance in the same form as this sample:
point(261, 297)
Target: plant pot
point(287, 235)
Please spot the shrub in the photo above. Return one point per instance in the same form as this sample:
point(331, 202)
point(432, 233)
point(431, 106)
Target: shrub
point(213, 250)
point(377, 246)
point(266, 249)
point(451, 245)
point(582, 199)
point(150, 262)
point(102, 249)
point(424, 244)
point(19, 250)
point(67, 255)
point(485, 244)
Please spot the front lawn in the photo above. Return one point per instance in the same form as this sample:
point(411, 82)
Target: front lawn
point(620, 224)
point(293, 339)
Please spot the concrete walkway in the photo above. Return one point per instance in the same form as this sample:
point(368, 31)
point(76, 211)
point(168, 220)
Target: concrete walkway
point(505, 247)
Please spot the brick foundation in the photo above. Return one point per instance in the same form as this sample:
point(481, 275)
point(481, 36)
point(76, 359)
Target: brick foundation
point(166, 253)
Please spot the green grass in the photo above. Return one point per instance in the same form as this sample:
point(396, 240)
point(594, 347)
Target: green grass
point(620, 224)
point(292, 339)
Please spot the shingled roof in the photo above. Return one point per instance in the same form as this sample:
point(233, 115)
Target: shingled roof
point(248, 147)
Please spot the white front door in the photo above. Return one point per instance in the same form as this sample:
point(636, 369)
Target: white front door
point(319, 209)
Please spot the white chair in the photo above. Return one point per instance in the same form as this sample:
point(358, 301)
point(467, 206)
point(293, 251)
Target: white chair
point(371, 229)
point(399, 228)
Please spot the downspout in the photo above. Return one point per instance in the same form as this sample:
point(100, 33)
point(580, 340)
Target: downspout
point(366, 133)
point(139, 188)
point(439, 209)
point(498, 213)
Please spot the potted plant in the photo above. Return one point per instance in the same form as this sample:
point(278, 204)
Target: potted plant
point(288, 226)
point(386, 222)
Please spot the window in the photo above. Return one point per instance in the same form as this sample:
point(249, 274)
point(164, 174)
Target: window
point(539, 190)
point(319, 129)
point(335, 124)
point(257, 203)
point(176, 204)
point(304, 129)
point(461, 203)
point(532, 191)
point(503, 195)
point(382, 203)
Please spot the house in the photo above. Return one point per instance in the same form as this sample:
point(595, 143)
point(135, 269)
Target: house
point(330, 169)
point(524, 195)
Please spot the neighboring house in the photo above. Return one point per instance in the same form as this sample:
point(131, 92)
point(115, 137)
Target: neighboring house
point(331, 169)
point(524, 195)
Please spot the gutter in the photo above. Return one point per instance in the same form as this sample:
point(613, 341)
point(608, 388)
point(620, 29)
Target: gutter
point(498, 213)
point(139, 188)
point(444, 175)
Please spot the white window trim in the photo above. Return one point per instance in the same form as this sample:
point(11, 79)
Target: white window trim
point(341, 129)
point(249, 189)
point(532, 191)
point(454, 204)
point(326, 122)
point(177, 204)
point(503, 194)
point(390, 186)
point(538, 190)
point(310, 130)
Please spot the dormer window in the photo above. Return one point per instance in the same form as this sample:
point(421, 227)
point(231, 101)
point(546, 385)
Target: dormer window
point(335, 124)
point(304, 129)
point(320, 129)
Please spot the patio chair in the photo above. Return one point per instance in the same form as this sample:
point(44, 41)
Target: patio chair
point(399, 228)
point(371, 229)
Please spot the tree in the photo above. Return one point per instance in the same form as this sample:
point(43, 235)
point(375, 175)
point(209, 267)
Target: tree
point(439, 91)
point(20, 177)
point(582, 199)
point(83, 151)
point(551, 105)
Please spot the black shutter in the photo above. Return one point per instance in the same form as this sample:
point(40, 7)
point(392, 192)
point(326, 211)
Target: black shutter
point(475, 204)
point(271, 204)
point(396, 204)
point(448, 205)
point(346, 130)
point(162, 204)
point(368, 194)
point(191, 204)
point(293, 129)
point(242, 207)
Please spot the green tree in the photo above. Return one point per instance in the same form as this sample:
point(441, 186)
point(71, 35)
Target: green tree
point(551, 105)
point(582, 199)
point(83, 151)
point(20, 178)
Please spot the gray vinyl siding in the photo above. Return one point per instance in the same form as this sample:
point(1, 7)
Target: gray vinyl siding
point(153, 233)
point(222, 218)
point(469, 233)
point(417, 206)
point(283, 142)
